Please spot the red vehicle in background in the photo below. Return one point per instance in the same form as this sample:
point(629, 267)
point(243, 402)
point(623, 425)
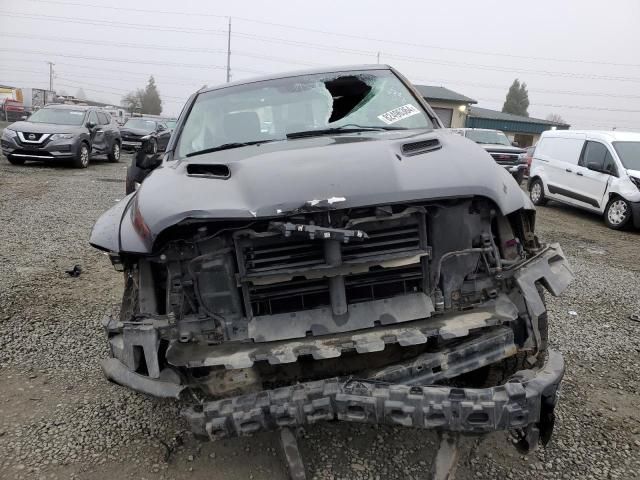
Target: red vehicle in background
point(527, 157)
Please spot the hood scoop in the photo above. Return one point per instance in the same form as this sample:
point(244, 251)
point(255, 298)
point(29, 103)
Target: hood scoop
point(208, 170)
point(424, 146)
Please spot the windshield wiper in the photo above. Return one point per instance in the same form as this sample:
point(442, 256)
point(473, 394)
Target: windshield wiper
point(228, 146)
point(350, 128)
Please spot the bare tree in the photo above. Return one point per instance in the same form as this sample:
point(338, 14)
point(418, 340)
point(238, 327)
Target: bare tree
point(555, 118)
point(132, 101)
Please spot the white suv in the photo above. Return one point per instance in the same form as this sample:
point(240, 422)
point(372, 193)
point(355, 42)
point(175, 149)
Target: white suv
point(595, 170)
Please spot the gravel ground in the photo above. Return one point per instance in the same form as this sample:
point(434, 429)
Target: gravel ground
point(59, 418)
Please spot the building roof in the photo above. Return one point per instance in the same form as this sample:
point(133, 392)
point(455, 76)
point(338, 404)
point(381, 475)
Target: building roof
point(431, 92)
point(487, 114)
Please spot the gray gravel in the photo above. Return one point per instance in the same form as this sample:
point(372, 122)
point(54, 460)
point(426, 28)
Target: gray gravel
point(60, 419)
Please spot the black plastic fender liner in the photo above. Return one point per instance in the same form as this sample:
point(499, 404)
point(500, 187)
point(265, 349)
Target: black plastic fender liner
point(117, 372)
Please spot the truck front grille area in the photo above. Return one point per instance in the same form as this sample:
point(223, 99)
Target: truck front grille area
point(302, 294)
point(280, 274)
point(508, 159)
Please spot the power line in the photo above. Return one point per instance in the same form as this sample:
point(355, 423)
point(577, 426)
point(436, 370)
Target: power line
point(156, 47)
point(537, 90)
point(109, 87)
point(577, 107)
point(116, 60)
point(359, 52)
point(497, 68)
point(89, 21)
point(115, 44)
point(92, 68)
point(350, 35)
point(190, 14)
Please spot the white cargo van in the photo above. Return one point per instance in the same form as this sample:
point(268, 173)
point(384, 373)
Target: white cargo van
point(595, 170)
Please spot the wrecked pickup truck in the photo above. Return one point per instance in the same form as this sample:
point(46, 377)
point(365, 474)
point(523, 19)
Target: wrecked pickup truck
point(313, 247)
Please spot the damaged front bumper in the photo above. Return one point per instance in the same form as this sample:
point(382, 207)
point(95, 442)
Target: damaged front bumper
point(525, 403)
point(402, 394)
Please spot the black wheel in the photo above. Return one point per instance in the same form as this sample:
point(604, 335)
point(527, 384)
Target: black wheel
point(82, 159)
point(536, 192)
point(114, 154)
point(618, 213)
point(16, 161)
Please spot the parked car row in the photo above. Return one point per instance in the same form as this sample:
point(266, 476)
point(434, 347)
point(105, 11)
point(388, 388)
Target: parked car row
point(77, 133)
point(62, 132)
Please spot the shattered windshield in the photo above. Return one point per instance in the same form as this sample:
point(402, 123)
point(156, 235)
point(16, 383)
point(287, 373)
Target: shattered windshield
point(272, 109)
point(492, 137)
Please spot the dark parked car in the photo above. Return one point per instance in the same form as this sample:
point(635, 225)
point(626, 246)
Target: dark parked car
point(315, 247)
point(62, 132)
point(503, 151)
point(138, 129)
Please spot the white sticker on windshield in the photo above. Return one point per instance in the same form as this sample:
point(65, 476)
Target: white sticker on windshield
point(75, 112)
point(397, 114)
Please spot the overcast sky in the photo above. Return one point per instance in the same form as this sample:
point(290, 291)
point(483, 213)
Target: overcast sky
point(580, 59)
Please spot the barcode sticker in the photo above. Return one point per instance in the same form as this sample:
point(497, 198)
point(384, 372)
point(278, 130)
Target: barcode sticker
point(397, 114)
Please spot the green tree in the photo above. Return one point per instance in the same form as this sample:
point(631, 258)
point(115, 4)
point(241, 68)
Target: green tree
point(145, 100)
point(517, 101)
point(151, 102)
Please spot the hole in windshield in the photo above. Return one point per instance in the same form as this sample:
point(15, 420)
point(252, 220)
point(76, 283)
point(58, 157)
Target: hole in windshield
point(272, 109)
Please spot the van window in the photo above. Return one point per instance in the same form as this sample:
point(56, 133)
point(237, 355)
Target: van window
point(560, 149)
point(596, 152)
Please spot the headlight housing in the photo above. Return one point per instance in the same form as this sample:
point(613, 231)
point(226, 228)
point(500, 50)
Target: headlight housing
point(62, 136)
point(636, 181)
point(8, 133)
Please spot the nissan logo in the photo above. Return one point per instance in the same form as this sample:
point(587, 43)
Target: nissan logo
point(32, 136)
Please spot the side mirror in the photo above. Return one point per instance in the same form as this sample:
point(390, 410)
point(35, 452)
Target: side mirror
point(90, 125)
point(160, 128)
point(515, 144)
point(148, 158)
point(24, 117)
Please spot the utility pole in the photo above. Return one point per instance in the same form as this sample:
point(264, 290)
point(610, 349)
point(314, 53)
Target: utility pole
point(378, 57)
point(229, 52)
point(51, 64)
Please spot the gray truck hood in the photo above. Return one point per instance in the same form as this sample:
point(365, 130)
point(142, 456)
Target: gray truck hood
point(274, 179)
point(352, 170)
